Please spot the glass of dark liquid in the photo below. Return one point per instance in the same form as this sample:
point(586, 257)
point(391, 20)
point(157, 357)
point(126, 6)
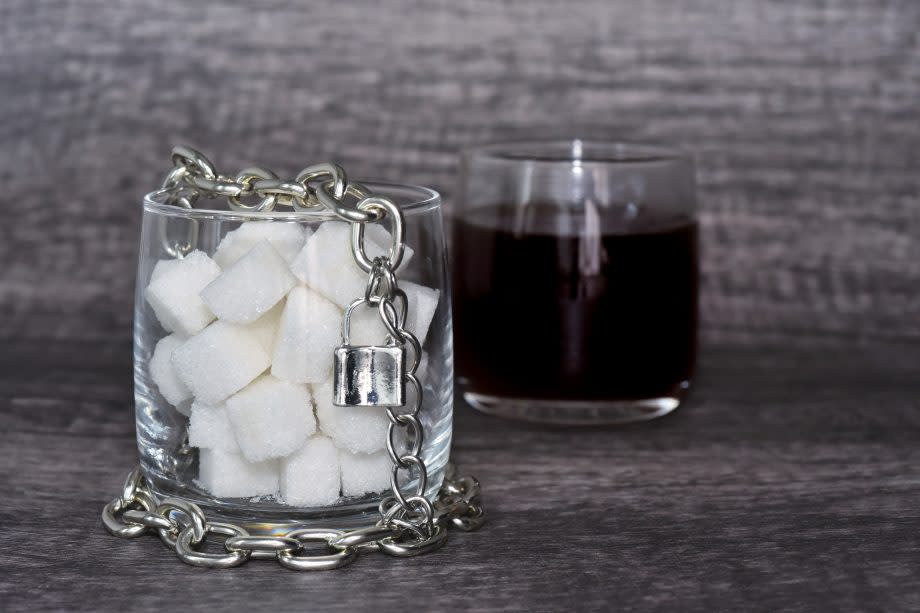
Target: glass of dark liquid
point(575, 280)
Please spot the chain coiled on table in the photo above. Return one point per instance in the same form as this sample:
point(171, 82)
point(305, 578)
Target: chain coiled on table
point(183, 526)
point(409, 523)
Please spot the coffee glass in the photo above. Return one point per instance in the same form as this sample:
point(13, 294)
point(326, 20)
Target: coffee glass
point(575, 280)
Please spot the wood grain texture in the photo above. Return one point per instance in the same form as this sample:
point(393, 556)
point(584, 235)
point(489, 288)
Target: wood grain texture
point(803, 117)
point(788, 482)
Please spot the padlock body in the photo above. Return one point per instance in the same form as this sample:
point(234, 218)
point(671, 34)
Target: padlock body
point(369, 376)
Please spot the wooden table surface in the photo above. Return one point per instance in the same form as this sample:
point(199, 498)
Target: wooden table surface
point(789, 480)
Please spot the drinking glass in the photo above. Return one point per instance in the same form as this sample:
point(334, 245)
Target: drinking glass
point(575, 278)
point(190, 364)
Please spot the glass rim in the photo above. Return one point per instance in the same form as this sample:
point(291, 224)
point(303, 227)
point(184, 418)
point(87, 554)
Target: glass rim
point(424, 200)
point(585, 151)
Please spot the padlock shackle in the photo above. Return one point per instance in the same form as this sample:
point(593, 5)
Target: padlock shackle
point(399, 314)
point(346, 320)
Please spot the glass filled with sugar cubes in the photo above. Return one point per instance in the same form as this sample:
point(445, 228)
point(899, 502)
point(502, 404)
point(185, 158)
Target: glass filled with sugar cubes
point(237, 316)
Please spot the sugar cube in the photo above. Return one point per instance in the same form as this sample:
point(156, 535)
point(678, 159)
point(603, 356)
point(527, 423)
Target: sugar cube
point(309, 332)
point(173, 292)
point(266, 327)
point(161, 267)
point(286, 237)
point(365, 473)
point(368, 329)
point(164, 375)
point(271, 418)
point(251, 286)
point(327, 266)
point(184, 407)
point(311, 477)
point(209, 428)
point(423, 302)
point(229, 475)
point(219, 361)
point(356, 429)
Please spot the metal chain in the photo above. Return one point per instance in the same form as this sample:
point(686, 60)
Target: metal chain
point(409, 524)
point(183, 527)
point(406, 509)
point(316, 187)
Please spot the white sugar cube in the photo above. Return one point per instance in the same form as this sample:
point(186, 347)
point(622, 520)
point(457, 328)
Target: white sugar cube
point(327, 266)
point(310, 331)
point(185, 407)
point(161, 267)
point(173, 292)
point(423, 302)
point(209, 428)
point(311, 477)
point(229, 475)
point(219, 361)
point(164, 375)
point(364, 473)
point(250, 286)
point(355, 429)
point(286, 237)
point(367, 328)
point(266, 327)
point(271, 418)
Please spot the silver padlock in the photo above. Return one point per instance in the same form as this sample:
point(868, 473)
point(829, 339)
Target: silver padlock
point(368, 376)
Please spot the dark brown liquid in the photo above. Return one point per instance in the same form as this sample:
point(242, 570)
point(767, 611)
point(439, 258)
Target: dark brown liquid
point(545, 309)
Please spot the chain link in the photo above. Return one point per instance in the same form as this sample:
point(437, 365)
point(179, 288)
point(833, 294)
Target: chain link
point(318, 186)
point(183, 527)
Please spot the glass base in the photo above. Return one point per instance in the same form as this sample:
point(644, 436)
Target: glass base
point(575, 412)
point(262, 517)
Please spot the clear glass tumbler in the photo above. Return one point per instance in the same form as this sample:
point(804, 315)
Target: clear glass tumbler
point(236, 319)
point(575, 274)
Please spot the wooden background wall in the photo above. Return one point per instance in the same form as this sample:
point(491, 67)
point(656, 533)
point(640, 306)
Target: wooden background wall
point(805, 117)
